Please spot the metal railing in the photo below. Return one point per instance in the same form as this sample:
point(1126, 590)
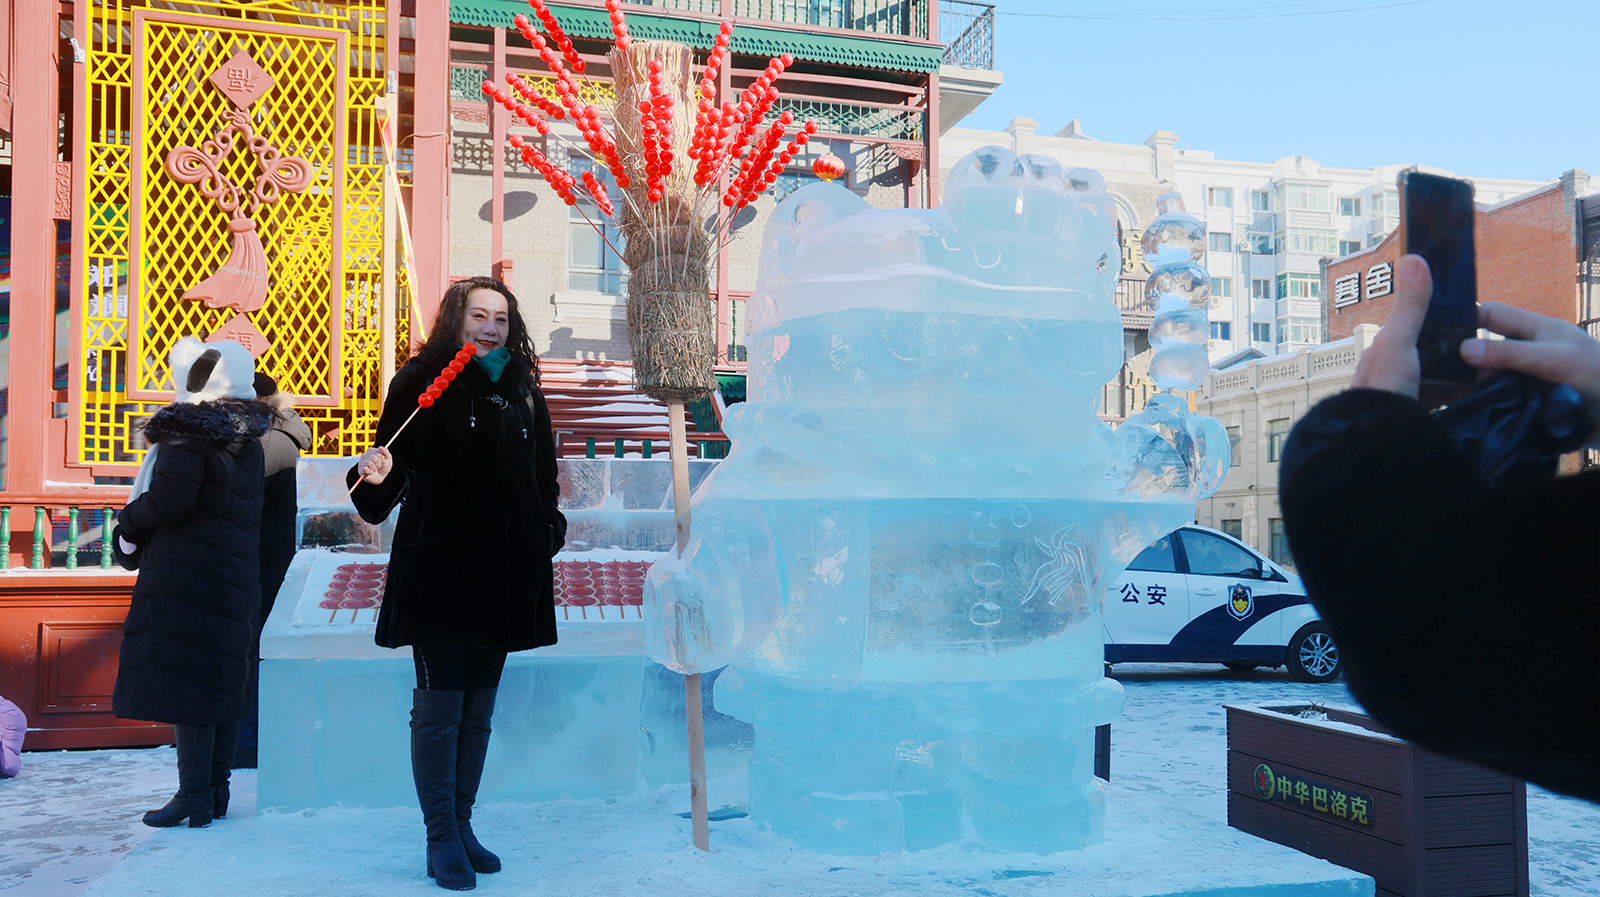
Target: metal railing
point(968, 31)
point(902, 17)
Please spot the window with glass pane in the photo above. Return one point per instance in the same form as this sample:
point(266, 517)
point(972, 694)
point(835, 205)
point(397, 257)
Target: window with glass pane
point(593, 265)
point(1222, 286)
point(1212, 556)
point(1278, 543)
point(1261, 244)
point(1260, 201)
point(1233, 526)
point(1261, 333)
point(1302, 239)
point(1221, 197)
point(1221, 330)
point(1299, 286)
point(1348, 246)
point(1350, 205)
point(1260, 288)
point(1235, 446)
point(1158, 558)
point(1277, 435)
point(1221, 242)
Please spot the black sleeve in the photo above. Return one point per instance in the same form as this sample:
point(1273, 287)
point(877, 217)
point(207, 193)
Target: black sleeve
point(174, 489)
point(546, 472)
point(374, 503)
point(1468, 619)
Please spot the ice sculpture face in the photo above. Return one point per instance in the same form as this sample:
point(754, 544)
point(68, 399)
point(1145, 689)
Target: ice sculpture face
point(921, 510)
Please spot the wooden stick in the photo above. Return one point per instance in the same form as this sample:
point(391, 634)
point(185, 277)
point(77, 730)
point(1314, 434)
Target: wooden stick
point(362, 479)
point(691, 683)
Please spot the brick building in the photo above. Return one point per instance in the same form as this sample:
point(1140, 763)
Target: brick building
point(1529, 252)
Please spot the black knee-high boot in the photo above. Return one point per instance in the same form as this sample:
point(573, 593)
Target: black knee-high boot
point(477, 706)
point(223, 747)
point(193, 800)
point(435, 727)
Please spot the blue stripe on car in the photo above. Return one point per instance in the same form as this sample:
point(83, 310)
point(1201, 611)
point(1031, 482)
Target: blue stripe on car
point(1216, 627)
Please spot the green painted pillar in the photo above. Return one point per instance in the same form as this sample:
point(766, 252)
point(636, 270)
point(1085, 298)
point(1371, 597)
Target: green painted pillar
point(72, 538)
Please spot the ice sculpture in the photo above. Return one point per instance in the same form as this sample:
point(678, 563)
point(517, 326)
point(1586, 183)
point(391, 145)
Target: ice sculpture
point(906, 550)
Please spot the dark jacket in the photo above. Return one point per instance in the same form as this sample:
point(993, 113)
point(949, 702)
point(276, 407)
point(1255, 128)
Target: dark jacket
point(281, 447)
point(187, 642)
point(1469, 619)
point(470, 564)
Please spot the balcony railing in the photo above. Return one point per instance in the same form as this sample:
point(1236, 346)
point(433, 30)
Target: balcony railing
point(968, 32)
point(902, 17)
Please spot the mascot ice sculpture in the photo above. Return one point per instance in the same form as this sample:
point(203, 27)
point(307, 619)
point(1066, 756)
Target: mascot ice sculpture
point(906, 551)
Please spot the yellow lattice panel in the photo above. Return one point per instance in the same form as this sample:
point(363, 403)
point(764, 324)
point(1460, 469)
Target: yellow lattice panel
point(323, 245)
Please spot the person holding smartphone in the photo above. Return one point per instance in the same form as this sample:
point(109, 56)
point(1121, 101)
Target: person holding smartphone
point(1469, 617)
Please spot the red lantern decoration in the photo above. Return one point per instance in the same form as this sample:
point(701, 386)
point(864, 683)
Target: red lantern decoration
point(828, 167)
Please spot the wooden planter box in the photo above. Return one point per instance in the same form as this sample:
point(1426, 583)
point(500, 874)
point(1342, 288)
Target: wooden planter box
point(1418, 823)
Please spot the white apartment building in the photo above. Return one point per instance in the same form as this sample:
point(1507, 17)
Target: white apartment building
point(1271, 223)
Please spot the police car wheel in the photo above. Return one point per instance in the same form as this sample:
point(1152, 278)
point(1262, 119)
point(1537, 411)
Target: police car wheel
point(1313, 655)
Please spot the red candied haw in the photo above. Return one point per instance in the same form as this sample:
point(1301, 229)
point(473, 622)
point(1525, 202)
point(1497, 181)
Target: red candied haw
point(519, 20)
point(728, 200)
point(654, 195)
point(619, 30)
point(455, 366)
point(489, 87)
point(785, 158)
point(666, 156)
point(787, 117)
point(786, 59)
point(622, 181)
point(447, 375)
point(578, 65)
point(654, 66)
point(811, 127)
point(727, 28)
point(569, 199)
point(516, 140)
point(433, 391)
point(425, 401)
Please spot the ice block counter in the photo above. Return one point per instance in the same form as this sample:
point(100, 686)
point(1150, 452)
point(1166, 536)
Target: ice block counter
point(590, 716)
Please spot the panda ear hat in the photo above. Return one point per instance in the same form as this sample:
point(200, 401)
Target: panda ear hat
point(206, 372)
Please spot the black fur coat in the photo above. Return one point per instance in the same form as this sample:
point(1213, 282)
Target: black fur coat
point(187, 642)
point(470, 563)
point(1469, 619)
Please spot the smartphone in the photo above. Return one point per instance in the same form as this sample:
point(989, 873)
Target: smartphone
point(1436, 223)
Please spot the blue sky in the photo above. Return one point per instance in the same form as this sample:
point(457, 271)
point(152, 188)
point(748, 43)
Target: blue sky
point(1483, 88)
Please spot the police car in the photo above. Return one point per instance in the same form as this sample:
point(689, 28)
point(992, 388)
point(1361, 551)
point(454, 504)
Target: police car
point(1200, 596)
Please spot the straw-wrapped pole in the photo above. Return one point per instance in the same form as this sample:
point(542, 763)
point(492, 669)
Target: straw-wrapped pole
point(671, 318)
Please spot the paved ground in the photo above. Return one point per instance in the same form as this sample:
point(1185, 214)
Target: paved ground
point(72, 817)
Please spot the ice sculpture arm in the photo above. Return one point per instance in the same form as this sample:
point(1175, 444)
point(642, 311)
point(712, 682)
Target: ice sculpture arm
point(374, 501)
point(1414, 563)
point(546, 471)
point(174, 489)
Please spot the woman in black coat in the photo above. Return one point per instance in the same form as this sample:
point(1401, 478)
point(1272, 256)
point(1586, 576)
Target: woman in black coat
point(191, 529)
point(470, 576)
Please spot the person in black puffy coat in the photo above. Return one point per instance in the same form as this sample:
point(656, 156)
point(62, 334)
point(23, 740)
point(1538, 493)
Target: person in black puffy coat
point(470, 576)
point(1468, 617)
point(281, 447)
point(192, 529)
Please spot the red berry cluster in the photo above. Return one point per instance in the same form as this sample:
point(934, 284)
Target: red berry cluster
point(765, 163)
point(559, 180)
point(655, 130)
point(598, 191)
point(619, 28)
point(707, 121)
point(442, 382)
point(559, 37)
point(527, 92)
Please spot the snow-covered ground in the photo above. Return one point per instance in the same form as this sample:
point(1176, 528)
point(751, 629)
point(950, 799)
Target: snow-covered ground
point(70, 824)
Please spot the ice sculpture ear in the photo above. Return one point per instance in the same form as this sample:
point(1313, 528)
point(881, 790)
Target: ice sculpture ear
point(983, 194)
point(803, 213)
point(1044, 198)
